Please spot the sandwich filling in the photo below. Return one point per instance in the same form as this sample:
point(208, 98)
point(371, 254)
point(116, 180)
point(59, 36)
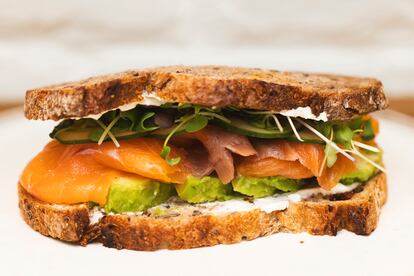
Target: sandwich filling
point(133, 160)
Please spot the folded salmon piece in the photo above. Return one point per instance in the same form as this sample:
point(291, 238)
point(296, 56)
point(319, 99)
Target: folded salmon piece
point(294, 160)
point(82, 173)
point(220, 145)
point(62, 174)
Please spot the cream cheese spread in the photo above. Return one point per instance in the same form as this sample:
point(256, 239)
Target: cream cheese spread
point(149, 98)
point(273, 203)
point(280, 202)
point(306, 113)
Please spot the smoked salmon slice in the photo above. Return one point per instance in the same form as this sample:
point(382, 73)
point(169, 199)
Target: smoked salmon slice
point(272, 167)
point(142, 157)
point(331, 176)
point(81, 173)
point(294, 160)
point(220, 145)
point(59, 174)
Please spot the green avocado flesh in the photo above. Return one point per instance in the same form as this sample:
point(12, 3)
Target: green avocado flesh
point(364, 169)
point(208, 188)
point(132, 194)
point(264, 186)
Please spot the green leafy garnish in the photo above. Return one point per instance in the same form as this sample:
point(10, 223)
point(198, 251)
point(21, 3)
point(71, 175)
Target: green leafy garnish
point(171, 119)
point(131, 116)
point(368, 131)
point(107, 131)
point(343, 135)
point(197, 123)
point(355, 124)
point(95, 134)
point(331, 155)
point(166, 149)
point(144, 124)
point(165, 152)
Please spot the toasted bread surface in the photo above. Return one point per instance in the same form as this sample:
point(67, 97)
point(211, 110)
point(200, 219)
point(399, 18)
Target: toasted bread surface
point(357, 212)
point(340, 97)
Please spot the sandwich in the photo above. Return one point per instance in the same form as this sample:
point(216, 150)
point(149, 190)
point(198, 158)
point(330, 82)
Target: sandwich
point(182, 157)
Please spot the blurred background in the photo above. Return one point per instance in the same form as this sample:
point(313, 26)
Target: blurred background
point(48, 41)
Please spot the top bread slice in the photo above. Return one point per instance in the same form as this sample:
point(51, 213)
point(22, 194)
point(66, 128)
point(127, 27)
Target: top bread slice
point(340, 97)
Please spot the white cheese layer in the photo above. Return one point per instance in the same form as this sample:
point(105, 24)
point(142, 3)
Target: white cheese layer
point(273, 203)
point(151, 99)
point(176, 207)
point(148, 99)
point(306, 113)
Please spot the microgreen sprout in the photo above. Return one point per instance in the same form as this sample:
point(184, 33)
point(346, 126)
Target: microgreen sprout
point(279, 125)
point(294, 129)
point(191, 123)
point(215, 115)
point(355, 151)
point(107, 131)
point(323, 164)
point(365, 146)
point(166, 149)
point(330, 153)
point(326, 140)
point(269, 113)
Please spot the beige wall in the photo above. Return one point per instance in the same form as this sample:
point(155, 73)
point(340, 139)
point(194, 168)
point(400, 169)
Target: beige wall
point(49, 41)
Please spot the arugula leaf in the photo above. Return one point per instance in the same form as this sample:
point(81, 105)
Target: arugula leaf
point(197, 123)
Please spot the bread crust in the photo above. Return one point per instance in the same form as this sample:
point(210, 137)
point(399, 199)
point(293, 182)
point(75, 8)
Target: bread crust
point(341, 97)
point(357, 212)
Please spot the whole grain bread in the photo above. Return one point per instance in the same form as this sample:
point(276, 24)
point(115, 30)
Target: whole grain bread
point(341, 97)
point(357, 211)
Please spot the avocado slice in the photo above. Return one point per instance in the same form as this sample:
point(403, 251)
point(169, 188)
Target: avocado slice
point(264, 186)
point(205, 189)
point(134, 193)
point(364, 169)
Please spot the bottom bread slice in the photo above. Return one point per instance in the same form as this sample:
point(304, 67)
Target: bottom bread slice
point(356, 211)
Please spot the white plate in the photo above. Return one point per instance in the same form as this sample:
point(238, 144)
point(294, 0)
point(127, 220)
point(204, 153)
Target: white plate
point(387, 251)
